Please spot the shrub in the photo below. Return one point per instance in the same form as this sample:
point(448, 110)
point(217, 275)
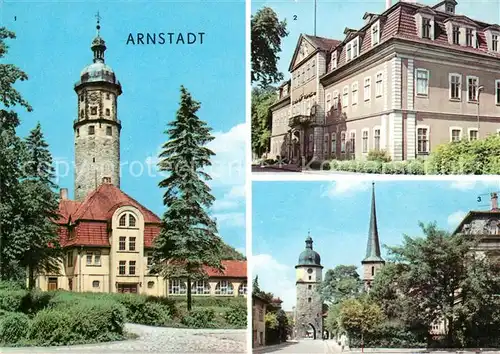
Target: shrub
point(334, 165)
point(372, 167)
point(14, 327)
point(236, 316)
point(13, 300)
point(378, 155)
point(85, 321)
point(11, 285)
point(51, 327)
point(415, 167)
point(199, 318)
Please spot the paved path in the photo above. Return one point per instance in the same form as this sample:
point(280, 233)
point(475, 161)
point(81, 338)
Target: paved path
point(158, 340)
point(303, 346)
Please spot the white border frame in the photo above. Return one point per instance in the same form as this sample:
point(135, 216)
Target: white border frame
point(354, 88)
point(417, 127)
point(369, 80)
point(467, 86)
point(450, 75)
point(367, 130)
point(426, 94)
point(470, 130)
point(452, 128)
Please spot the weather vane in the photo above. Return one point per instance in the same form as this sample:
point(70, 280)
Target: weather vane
point(98, 17)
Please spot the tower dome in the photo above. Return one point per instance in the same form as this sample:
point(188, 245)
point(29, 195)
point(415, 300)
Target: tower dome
point(309, 256)
point(98, 71)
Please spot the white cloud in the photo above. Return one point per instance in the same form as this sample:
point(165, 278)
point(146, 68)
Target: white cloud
point(345, 186)
point(466, 185)
point(228, 164)
point(243, 251)
point(234, 219)
point(455, 218)
point(275, 277)
point(231, 200)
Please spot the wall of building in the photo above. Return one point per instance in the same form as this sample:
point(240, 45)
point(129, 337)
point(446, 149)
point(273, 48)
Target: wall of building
point(309, 307)
point(258, 322)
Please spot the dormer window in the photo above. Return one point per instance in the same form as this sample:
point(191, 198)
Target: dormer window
point(352, 49)
point(494, 43)
point(333, 61)
point(456, 35)
point(426, 28)
point(468, 37)
point(450, 8)
point(375, 33)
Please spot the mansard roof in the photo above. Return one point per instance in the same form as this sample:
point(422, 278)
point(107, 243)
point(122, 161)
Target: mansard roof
point(399, 23)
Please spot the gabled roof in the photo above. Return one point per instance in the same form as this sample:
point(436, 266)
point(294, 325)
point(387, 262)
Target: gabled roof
point(232, 269)
point(319, 43)
point(461, 19)
point(473, 213)
point(100, 205)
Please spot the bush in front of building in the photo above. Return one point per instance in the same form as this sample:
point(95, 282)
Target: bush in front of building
point(389, 335)
point(13, 300)
point(199, 318)
point(412, 167)
point(467, 157)
point(14, 327)
point(89, 321)
point(378, 155)
point(236, 316)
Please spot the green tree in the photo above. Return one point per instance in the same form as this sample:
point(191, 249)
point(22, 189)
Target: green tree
point(342, 282)
point(442, 279)
point(38, 243)
point(255, 285)
point(262, 99)
point(360, 316)
point(10, 158)
point(271, 320)
point(332, 321)
point(267, 31)
point(188, 240)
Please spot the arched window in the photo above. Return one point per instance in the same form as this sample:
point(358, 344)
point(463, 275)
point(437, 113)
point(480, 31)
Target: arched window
point(224, 288)
point(176, 287)
point(200, 287)
point(123, 220)
point(131, 220)
point(242, 290)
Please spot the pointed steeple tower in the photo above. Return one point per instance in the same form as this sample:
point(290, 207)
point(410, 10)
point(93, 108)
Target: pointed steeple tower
point(373, 261)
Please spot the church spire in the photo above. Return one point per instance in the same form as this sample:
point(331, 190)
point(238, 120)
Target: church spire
point(373, 245)
point(98, 44)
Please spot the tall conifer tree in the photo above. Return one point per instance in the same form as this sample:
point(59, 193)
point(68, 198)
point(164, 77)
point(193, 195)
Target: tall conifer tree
point(188, 240)
point(10, 157)
point(38, 243)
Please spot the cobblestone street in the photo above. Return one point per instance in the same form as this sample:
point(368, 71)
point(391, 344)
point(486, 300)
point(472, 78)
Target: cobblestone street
point(158, 340)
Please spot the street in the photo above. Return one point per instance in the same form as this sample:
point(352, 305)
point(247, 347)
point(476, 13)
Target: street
point(303, 346)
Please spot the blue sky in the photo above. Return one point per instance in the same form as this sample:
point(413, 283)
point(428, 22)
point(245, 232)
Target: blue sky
point(333, 16)
point(337, 214)
point(53, 46)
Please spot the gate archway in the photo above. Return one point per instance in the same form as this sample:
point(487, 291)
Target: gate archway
point(311, 331)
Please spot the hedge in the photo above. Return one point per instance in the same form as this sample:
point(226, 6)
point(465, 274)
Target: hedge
point(85, 322)
point(389, 335)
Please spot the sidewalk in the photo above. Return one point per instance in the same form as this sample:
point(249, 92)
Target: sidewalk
point(424, 350)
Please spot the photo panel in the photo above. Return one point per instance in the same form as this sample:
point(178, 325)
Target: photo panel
point(386, 266)
point(375, 87)
point(122, 176)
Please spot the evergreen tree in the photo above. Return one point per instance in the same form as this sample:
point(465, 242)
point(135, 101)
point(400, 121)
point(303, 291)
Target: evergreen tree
point(38, 243)
point(188, 240)
point(10, 158)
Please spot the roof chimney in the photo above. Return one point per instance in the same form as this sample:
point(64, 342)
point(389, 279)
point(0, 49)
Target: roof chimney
point(494, 201)
point(63, 193)
point(388, 4)
point(106, 180)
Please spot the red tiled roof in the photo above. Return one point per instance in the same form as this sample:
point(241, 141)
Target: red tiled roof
point(102, 203)
point(89, 219)
point(232, 269)
point(67, 208)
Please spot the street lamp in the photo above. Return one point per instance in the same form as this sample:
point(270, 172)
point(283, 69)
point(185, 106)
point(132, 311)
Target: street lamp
point(479, 89)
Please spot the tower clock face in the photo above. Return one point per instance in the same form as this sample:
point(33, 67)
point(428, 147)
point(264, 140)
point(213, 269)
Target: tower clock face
point(94, 97)
point(309, 270)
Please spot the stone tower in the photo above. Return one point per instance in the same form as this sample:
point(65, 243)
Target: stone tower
point(373, 261)
point(97, 128)
point(309, 307)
